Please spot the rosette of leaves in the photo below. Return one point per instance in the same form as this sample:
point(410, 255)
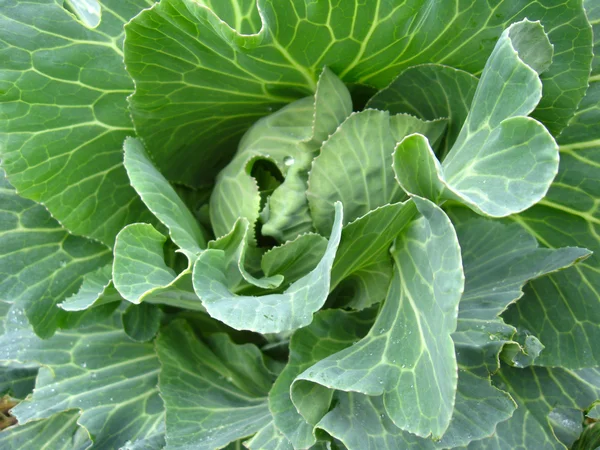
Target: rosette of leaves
point(293, 225)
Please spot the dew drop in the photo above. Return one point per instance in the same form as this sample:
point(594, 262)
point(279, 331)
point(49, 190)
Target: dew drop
point(288, 161)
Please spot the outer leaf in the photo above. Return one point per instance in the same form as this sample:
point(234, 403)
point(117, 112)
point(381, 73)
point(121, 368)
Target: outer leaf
point(209, 401)
point(270, 313)
point(563, 310)
point(141, 322)
point(141, 274)
point(363, 262)
point(478, 410)
point(160, 198)
point(60, 432)
point(154, 441)
point(417, 379)
point(499, 259)
point(269, 438)
point(15, 379)
point(199, 90)
point(139, 265)
point(97, 370)
point(40, 262)
point(295, 258)
point(63, 109)
point(502, 162)
point(330, 332)
point(97, 289)
point(360, 422)
point(538, 391)
point(566, 423)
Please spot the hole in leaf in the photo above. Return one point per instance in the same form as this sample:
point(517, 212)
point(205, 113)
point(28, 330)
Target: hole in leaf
point(6, 419)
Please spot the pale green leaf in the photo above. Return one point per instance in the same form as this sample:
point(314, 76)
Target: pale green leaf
point(295, 258)
point(198, 90)
point(234, 246)
point(418, 379)
point(59, 432)
point(271, 313)
point(502, 161)
point(210, 400)
point(153, 441)
point(139, 265)
point(40, 262)
point(162, 200)
point(360, 422)
point(363, 263)
point(269, 438)
point(594, 412)
point(141, 322)
point(354, 167)
point(63, 90)
point(97, 370)
point(97, 289)
point(330, 332)
point(566, 424)
point(140, 273)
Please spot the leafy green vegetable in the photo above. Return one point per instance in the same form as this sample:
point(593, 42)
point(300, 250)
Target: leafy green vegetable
point(285, 225)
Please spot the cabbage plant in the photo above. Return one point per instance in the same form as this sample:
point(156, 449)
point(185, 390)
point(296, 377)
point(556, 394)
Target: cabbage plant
point(293, 224)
